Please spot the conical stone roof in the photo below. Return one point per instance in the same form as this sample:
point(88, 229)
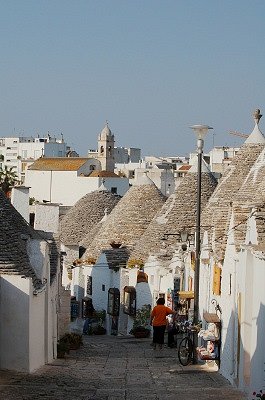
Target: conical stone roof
point(129, 219)
point(178, 212)
point(85, 214)
point(14, 232)
point(236, 186)
point(88, 238)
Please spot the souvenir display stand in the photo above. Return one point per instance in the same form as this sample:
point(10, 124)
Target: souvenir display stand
point(211, 338)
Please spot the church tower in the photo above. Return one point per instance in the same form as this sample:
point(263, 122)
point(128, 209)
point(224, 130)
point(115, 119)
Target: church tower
point(106, 149)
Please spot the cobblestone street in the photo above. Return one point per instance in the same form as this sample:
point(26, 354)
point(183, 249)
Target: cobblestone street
point(117, 368)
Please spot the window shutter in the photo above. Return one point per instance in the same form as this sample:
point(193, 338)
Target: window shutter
point(217, 276)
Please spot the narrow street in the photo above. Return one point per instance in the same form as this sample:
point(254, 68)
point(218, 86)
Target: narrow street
point(116, 368)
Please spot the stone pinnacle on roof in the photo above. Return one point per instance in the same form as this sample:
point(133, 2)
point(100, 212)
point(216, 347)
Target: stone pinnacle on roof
point(256, 135)
point(102, 187)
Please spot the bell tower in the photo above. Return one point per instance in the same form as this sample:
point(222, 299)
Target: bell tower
point(106, 149)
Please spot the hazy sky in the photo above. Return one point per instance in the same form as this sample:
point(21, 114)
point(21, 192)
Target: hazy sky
point(151, 68)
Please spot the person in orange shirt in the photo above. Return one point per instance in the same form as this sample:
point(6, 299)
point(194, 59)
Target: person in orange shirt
point(159, 322)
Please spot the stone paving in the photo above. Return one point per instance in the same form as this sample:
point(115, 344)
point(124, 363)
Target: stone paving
point(117, 368)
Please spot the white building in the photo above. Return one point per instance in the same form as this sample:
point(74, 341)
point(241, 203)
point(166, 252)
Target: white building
point(218, 159)
point(30, 296)
point(233, 271)
point(65, 180)
point(162, 174)
point(19, 152)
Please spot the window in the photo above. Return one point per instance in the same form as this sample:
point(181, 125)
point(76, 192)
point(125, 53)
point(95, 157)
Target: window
point(113, 302)
point(89, 286)
point(131, 174)
point(32, 219)
point(103, 288)
point(82, 250)
point(37, 154)
point(113, 190)
point(24, 153)
point(23, 166)
point(129, 300)
point(92, 167)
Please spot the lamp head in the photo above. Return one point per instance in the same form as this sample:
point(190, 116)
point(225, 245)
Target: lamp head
point(201, 130)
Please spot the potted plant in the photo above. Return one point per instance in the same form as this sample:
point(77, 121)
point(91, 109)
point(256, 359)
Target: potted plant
point(73, 340)
point(135, 263)
point(141, 327)
point(62, 349)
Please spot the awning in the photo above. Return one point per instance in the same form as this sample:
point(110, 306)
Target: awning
point(186, 294)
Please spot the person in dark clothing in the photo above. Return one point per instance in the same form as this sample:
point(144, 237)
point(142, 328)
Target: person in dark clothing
point(171, 332)
point(90, 314)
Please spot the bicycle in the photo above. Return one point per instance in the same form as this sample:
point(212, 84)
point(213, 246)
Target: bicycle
point(186, 346)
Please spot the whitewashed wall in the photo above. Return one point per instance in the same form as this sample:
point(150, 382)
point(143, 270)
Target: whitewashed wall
point(242, 302)
point(47, 217)
point(20, 200)
point(28, 329)
point(38, 255)
point(228, 303)
point(72, 253)
point(38, 330)
point(66, 188)
point(14, 327)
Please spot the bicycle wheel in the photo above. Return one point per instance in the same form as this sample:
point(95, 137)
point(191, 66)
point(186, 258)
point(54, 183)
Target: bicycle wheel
point(185, 351)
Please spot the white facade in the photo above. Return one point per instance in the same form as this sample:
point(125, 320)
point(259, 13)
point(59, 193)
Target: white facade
point(19, 152)
point(160, 283)
point(67, 187)
point(221, 157)
point(242, 301)
point(124, 155)
point(47, 217)
point(20, 200)
point(163, 178)
point(28, 330)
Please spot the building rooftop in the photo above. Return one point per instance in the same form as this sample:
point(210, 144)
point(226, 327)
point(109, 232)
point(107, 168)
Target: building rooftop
point(129, 219)
point(14, 234)
point(85, 214)
point(58, 164)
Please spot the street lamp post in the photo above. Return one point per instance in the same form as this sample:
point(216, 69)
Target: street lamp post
point(200, 131)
